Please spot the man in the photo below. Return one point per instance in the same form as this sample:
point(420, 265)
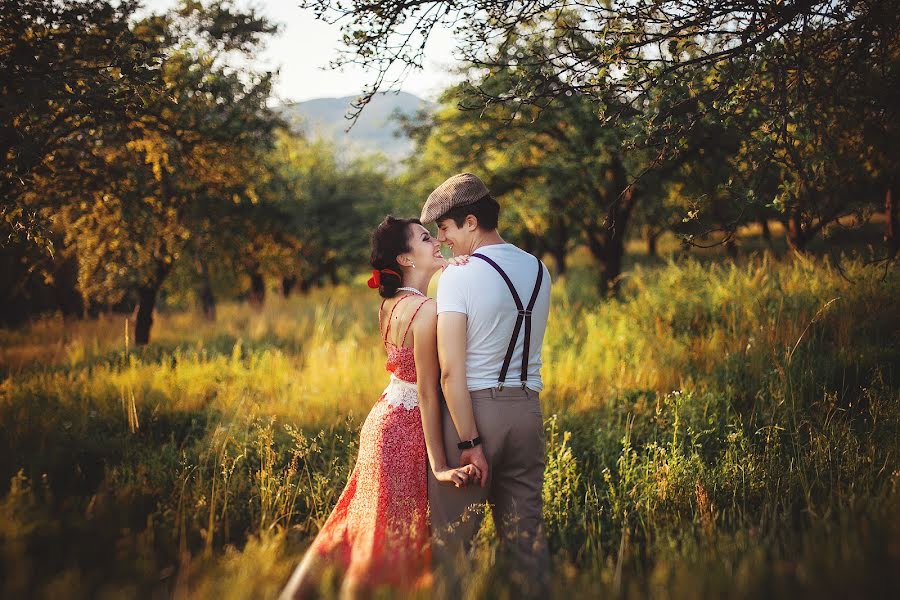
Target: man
point(492, 314)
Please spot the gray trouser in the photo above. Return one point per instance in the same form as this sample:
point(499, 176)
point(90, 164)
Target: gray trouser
point(511, 426)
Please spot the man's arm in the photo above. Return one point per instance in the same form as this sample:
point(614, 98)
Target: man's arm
point(451, 339)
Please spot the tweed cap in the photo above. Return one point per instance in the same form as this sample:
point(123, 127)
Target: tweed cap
point(460, 190)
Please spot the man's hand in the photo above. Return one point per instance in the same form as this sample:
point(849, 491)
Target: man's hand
point(460, 477)
point(475, 456)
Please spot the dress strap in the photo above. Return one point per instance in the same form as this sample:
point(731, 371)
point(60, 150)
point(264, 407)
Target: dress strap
point(387, 329)
point(412, 318)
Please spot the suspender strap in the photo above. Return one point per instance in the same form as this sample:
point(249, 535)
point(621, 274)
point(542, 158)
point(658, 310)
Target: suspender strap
point(527, 340)
point(524, 316)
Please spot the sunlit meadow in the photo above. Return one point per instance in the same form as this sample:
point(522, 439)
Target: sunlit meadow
point(718, 430)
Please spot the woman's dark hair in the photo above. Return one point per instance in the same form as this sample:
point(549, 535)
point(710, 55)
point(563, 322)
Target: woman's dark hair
point(486, 210)
point(389, 240)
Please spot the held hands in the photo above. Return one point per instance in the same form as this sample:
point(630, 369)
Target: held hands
point(475, 457)
point(460, 476)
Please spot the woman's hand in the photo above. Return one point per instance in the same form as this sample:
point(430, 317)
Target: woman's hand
point(457, 261)
point(459, 477)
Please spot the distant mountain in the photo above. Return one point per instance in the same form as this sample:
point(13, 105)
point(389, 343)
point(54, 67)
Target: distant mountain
point(375, 131)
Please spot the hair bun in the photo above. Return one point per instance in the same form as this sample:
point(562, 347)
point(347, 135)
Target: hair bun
point(390, 281)
point(389, 240)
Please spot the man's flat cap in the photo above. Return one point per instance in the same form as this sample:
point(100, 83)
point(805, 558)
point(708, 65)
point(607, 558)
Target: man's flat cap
point(460, 190)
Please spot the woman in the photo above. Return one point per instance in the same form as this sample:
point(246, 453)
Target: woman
point(378, 533)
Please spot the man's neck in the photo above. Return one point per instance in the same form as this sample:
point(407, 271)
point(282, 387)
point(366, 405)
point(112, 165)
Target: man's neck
point(488, 238)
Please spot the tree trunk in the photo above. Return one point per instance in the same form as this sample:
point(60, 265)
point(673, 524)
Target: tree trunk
point(767, 235)
point(257, 288)
point(528, 242)
point(796, 234)
point(612, 267)
point(652, 239)
point(559, 259)
point(721, 218)
point(611, 249)
point(766, 232)
point(332, 272)
point(558, 246)
point(147, 295)
point(65, 288)
point(144, 319)
point(287, 285)
point(608, 252)
point(731, 247)
point(607, 245)
point(205, 295)
point(890, 233)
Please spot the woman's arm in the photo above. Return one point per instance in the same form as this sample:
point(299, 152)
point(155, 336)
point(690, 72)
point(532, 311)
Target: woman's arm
point(428, 378)
point(451, 335)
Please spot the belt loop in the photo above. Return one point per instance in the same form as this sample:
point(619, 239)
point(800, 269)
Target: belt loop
point(494, 392)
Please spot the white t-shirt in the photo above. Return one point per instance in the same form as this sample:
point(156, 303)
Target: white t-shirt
point(477, 290)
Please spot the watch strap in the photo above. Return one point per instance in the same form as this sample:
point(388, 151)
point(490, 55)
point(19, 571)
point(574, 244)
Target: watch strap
point(469, 443)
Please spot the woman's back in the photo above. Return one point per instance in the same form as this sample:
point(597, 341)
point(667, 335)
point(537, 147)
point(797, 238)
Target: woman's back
point(401, 312)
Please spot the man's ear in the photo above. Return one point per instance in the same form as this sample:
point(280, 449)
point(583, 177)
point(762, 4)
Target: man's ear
point(471, 222)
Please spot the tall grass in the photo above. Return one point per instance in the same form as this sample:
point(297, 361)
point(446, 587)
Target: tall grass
point(719, 429)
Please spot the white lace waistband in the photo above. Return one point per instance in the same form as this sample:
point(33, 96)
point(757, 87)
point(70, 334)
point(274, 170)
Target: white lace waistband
point(401, 393)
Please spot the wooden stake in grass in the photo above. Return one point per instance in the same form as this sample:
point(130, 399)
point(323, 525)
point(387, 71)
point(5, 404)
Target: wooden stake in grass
point(129, 404)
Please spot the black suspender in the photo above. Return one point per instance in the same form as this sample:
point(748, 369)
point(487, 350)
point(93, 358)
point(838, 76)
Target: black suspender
point(524, 317)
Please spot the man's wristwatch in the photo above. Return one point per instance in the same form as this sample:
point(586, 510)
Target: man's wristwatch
point(469, 443)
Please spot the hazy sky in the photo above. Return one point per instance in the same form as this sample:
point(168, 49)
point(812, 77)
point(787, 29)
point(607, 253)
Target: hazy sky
point(304, 46)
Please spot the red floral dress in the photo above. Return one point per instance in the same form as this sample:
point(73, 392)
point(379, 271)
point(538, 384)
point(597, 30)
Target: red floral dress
point(379, 532)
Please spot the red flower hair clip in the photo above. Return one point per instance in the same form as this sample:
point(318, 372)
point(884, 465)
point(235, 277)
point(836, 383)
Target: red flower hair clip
point(375, 280)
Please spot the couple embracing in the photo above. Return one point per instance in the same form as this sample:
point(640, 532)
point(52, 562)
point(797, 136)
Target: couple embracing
point(459, 425)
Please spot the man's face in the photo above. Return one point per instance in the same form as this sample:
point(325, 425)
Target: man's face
point(458, 238)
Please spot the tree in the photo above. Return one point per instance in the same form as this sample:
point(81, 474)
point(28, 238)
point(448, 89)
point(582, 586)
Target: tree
point(195, 150)
point(329, 208)
point(565, 173)
point(67, 68)
point(620, 50)
point(772, 67)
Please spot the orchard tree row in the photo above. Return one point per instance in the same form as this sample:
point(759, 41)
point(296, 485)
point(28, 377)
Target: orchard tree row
point(141, 163)
point(609, 120)
point(137, 152)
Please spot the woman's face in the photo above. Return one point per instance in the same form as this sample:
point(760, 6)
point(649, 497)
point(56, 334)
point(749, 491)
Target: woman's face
point(424, 250)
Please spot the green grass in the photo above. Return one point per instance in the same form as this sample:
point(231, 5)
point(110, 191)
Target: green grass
point(718, 430)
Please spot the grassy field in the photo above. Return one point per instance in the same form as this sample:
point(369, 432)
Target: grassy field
point(718, 430)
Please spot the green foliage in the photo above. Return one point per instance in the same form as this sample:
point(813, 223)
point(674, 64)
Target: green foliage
point(746, 110)
point(564, 175)
point(130, 195)
point(194, 156)
point(205, 462)
point(68, 68)
point(329, 209)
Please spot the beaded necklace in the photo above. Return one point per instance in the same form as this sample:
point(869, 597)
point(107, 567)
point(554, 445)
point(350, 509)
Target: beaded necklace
point(412, 290)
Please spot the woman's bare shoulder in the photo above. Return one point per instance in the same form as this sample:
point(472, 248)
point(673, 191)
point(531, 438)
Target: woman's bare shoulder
point(427, 315)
